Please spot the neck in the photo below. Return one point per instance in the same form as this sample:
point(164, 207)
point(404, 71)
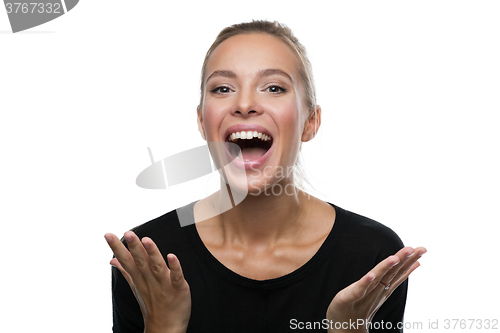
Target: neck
point(265, 219)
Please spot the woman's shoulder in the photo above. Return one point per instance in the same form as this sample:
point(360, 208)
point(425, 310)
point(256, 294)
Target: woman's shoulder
point(360, 229)
point(166, 220)
point(167, 225)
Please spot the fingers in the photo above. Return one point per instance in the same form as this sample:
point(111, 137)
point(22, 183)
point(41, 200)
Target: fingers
point(128, 278)
point(134, 264)
point(143, 261)
point(162, 292)
point(387, 275)
point(116, 263)
point(410, 265)
point(404, 254)
point(396, 275)
point(139, 254)
point(382, 269)
point(121, 253)
point(156, 261)
point(176, 275)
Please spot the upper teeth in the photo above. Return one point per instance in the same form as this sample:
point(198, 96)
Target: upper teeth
point(248, 135)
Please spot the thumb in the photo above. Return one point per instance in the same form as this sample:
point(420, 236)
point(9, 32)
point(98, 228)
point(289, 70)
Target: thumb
point(114, 262)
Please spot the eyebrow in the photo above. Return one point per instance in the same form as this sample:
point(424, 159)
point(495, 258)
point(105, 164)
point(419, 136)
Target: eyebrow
point(264, 72)
point(272, 71)
point(223, 73)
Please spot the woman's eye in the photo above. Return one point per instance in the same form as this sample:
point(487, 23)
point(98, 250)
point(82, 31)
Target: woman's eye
point(221, 90)
point(276, 89)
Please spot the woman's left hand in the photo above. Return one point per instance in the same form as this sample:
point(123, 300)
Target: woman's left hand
point(362, 299)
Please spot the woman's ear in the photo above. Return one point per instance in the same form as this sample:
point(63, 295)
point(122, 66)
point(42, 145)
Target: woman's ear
point(201, 129)
point(312, 125)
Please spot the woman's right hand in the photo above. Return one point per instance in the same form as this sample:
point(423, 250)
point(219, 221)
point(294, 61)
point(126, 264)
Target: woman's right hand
point(162, 293)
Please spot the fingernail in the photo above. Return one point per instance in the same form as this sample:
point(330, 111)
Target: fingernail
point(128, 238)
point(147, 245)
point(171, 259)
point(394, 264)
point(108, 238)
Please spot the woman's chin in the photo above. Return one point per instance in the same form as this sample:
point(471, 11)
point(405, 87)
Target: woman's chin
point(242, 187)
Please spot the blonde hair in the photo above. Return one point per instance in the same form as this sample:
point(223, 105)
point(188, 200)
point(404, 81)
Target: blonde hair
point(285, 34)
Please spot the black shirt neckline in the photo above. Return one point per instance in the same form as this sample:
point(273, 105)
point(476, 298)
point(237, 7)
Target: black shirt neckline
point(314, 261)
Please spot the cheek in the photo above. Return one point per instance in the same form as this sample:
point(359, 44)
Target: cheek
point(212, 118)
point(290, 118)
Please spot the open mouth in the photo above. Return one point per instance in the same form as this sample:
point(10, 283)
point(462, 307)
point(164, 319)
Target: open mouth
point(253, 144)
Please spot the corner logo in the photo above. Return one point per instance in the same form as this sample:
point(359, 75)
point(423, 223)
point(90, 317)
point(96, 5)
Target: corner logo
point(195, 163)
point(26, 15)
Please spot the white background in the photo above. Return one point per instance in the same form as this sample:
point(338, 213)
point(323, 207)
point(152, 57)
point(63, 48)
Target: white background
point(410, 99)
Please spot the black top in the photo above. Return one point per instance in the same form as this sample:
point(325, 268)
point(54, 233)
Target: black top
point(224, 301)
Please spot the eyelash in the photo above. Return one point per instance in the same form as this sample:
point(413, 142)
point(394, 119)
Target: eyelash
point(216, 90)
point(282, 90)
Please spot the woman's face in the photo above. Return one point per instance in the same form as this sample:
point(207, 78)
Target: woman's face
point(252, 84)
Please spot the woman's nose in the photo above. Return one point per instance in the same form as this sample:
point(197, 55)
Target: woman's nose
point(247, 103)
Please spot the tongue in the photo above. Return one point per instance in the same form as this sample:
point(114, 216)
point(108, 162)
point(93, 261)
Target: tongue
point(252, 153)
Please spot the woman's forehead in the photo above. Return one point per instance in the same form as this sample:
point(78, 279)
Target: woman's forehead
point(252, 53)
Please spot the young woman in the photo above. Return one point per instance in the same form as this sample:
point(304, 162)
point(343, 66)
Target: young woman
point(278, 259)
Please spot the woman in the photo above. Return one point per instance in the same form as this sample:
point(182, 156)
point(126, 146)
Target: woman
point(277, 260)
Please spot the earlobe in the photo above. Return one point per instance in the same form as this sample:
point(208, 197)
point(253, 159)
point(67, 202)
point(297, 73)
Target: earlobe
point(312, 125)
point(201, 129)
